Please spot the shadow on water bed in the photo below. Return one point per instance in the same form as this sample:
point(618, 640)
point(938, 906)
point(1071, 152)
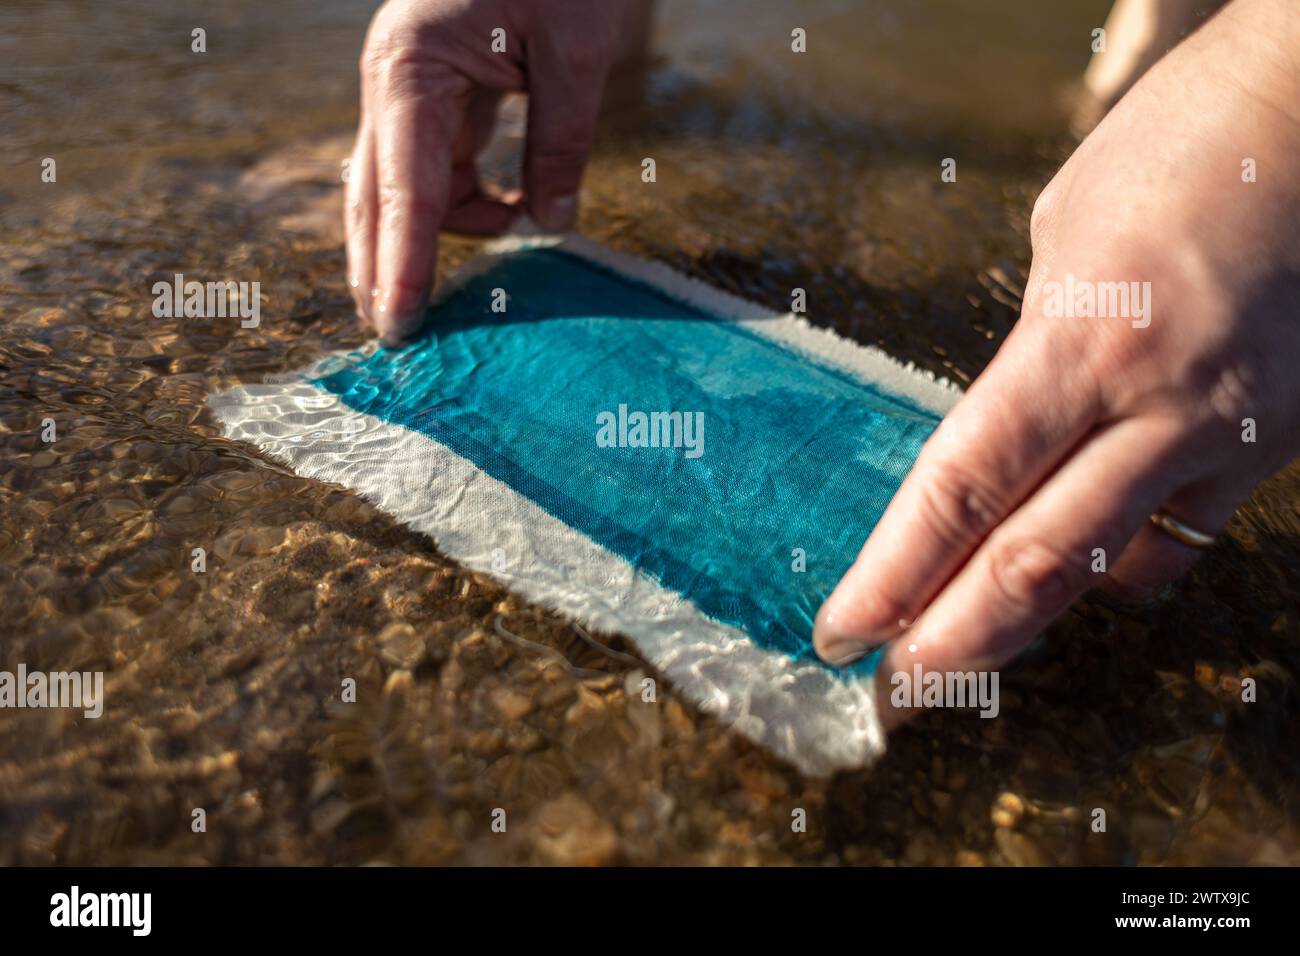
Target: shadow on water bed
point(773, 174)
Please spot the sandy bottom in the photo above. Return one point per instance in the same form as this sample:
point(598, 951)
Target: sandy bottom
point(223, 687)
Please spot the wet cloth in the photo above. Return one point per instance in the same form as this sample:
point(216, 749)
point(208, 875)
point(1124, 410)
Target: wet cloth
point(638, 451)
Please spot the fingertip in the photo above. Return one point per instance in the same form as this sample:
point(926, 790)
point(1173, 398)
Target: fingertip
point(555, 213)
point(397, 328)
point(833, 644)
point(392, 340)
point(848, 625)
point(360, 301)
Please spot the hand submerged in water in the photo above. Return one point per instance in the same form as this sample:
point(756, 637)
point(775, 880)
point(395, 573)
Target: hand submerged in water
point(432, 75)
point(1082, 427)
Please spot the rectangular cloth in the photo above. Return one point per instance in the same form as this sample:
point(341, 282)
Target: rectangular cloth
point(514, 433)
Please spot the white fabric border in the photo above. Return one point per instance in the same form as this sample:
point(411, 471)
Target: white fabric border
point(803, 712)
point(865, 362)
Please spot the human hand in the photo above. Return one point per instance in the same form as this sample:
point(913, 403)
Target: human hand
point(1082, 427)
point(432, 74)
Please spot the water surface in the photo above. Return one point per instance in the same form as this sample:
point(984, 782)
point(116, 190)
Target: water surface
point(775, 171)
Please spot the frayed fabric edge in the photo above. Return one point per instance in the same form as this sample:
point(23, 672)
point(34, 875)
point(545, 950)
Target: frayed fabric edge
point(803, 712)
point(819, 721)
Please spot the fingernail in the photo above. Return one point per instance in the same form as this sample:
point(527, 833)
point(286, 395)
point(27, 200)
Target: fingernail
point(558, 215)
point(839, 645)
point(847, 658)
point(833, 646)
point(843, 655)
point(397, 331)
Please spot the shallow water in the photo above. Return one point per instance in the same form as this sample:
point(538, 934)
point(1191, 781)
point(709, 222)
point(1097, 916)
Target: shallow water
point(774, 171)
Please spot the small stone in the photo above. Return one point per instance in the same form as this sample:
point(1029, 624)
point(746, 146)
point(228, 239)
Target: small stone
point(1205, 675)
point(260, 542)
point(330, 815)
point(512, 704)
point(1007, 810)
point(555, 693)
point(762, 788)
point(567, 832)
point(400, 646)
point(916, 853)
point(235, 481)
point(486, 743)
point(588, 709)
point(736, 833)
point(1230, 686)
point(937, 776)
point(678, 718)
point(399, 682)
point(1019, 849)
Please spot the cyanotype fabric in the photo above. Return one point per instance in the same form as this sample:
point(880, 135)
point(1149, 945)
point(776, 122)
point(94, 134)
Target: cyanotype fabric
point(640, 452)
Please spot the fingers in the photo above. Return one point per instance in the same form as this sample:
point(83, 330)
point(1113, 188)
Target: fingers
point(1154, 558)
point(426, 125)
point(1042, 557)
point(472, 211)
point(415, 125)
point(563, 100)
point(359, 214)
point(1022, 416)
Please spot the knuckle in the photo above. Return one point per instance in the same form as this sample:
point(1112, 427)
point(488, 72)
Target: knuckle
point(1034, 578)
point(1124, 366)
point(385, 41)
point(403, 74)
point(1044, 212)
point(560, 156)
point(957, 508)
point(1117, 360)
point(396, 60)
point(1238, 385)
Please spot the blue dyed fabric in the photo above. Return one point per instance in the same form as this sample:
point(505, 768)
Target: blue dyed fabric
point(795, 454)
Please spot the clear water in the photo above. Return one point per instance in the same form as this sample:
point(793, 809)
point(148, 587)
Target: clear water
point(774, 171)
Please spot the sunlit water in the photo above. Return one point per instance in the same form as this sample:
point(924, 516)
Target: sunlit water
point(775, 170)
